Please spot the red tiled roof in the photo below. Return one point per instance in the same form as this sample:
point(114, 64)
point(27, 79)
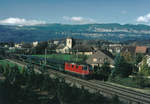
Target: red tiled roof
point(140, 49)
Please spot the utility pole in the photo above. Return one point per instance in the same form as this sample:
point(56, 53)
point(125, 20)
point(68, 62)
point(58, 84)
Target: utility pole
point(45, 55)
point(77, 55)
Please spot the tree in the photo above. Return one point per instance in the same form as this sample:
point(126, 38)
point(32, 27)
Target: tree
point(139, 58)
point(122, 68)
point(141, 80)
point(103, 72)
point(2, 52)
point(128, 57)
point(40, 48)
point(14, 72)
point(115, 100)
point(27, 45)
point(1, 69)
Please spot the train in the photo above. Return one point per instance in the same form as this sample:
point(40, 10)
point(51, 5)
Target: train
point(81, 70)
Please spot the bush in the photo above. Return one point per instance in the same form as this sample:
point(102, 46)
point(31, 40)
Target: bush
point(103, 72)
point(115, 100)
point(141, 81)
point(123, 81)
point(1, 58)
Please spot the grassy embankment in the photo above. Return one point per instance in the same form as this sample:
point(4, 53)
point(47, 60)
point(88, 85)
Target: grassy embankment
point(6, 63)
point(142, 85)
point(66, 57)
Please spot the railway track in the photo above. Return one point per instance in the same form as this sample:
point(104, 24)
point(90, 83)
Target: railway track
point(123, 93)
point(131, 96)
point(142, 98)
point(115, 87)
point(104, 88)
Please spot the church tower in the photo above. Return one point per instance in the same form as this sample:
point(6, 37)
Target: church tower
point(69, 43)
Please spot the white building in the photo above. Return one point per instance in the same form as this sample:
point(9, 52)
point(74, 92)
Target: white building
point(6, 46)
point(18, 45)
point(69, 43)
point(35, 43)
point(148, 60)
point(65, 48)
point(145, 59)
point(56, 42)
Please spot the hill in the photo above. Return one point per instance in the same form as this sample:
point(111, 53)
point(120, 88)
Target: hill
point(111, 32)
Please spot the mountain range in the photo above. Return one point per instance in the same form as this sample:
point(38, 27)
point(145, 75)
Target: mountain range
point(111, 32)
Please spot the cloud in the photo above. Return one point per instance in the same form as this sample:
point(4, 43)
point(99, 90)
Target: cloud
point(145, 18)
point(20, 21)
point(78, 20)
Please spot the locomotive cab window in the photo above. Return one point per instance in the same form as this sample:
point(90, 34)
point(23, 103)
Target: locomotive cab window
point(90, 67)
point(85, 67)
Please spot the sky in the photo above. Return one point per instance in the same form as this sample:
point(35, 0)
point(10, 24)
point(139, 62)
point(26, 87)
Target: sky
point(33, 12)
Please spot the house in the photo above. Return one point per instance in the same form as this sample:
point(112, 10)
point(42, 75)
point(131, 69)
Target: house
point(18, 45)
point(61, 48)
point(115, 45)
point(35, 43)
point(6, 46)
point(98, 58)
point(130, 49)
point(135, 49)
point(83, 49)
point(141, 49)
point(114, 48)
point(146, 59)
point(56, 42)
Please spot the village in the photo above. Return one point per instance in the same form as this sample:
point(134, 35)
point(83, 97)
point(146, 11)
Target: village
point(95, 53)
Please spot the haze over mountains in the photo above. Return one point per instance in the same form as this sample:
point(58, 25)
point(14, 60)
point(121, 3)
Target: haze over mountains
point(111, 32)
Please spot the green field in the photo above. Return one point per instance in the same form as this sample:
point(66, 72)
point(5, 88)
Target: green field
point(65, 57)
point(5, 63)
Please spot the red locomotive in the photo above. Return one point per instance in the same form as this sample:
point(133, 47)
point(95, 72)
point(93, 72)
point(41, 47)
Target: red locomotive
point(80, 70)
